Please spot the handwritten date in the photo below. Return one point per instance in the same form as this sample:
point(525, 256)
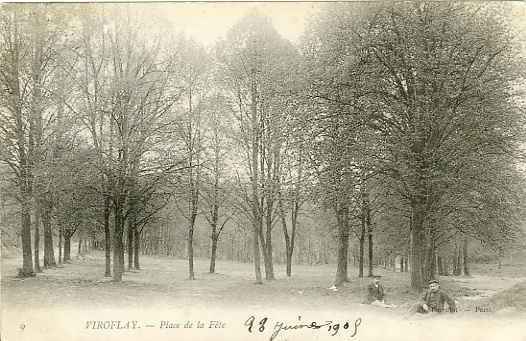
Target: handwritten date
point(329, 326)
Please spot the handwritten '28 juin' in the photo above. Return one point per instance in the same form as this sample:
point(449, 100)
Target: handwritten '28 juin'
point(329, 326)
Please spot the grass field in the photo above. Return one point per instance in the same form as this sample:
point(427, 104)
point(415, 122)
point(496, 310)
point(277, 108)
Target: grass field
point(78, 293)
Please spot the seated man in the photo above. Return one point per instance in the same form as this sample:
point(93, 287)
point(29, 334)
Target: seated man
point(433, 300)
point(376, 293)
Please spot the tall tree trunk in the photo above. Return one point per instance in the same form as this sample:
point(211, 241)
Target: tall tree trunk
point(60, 228)
point(130, 241)
point(465, 257)
point(257, 260)
point(288, 251)
point(194, 197)
point(118, 245)
point(214, 237)
point(295, 212)
point(269, 266)
point(429, 261)
point(457, 270)
point(295, 208)
point(191, 225)
point(49, 252)
point(107, 236)
point(417, 245)
point(79, 250)
point(67, 246)
point(256, 211)
point(362, 244)
point(136, 248)
point(262, 240)
point(343, 246)
point(37, 238)
point(370, 234)
point(454, 262)
point(25, 215)
point(289, 238)
point(24, 175)
point(27, 265)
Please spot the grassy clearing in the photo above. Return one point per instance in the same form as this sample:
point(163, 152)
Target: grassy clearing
point(57, 304)
point(163, 281)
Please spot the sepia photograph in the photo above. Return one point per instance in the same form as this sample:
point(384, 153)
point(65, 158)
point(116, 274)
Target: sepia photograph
point(263, 171)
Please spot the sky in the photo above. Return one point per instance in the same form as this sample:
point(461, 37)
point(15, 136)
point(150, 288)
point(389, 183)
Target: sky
point(208, 21)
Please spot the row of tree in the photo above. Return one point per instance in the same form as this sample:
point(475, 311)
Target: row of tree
point(398, 123)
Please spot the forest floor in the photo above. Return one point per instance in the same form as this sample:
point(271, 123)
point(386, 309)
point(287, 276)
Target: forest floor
point(62, 302)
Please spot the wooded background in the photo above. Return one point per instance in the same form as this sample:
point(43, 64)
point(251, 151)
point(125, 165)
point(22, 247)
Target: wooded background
point(390, 129)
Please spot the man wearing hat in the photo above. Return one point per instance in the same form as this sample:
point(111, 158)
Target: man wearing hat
point(433, 300)
point(376, 293)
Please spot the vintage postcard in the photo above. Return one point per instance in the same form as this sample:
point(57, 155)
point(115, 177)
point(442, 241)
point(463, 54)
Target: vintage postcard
point(263, 171)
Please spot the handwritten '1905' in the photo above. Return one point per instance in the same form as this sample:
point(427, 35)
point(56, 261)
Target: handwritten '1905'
point(331, 327)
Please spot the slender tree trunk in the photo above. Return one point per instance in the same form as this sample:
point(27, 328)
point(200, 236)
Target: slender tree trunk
point(130, 241)
point(212, 268)
point(362, 244)
point(289, 239)
point(269, 266)
point(370, 234)
point(465, 256)
point(191, 274)
point(49, 252)
point(288, 252)
point(343, 246)
point(430, 261)
point(262, 244)
point(118, 245)
point(417, 243)
point(457, 270)
point(60, 243)
point(256, 211)
point(194, 197)
point(214, 236)
point(288, 261)
point(27, 265)
point(67, 246)
point(25, 174)
point(429, 269)
point(136, 249)
point(37, 239)
point(107, 236)
point(79, 250)
point(257, 260)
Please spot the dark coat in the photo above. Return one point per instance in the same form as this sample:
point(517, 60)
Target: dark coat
point(374, 293)
point(435, 301)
